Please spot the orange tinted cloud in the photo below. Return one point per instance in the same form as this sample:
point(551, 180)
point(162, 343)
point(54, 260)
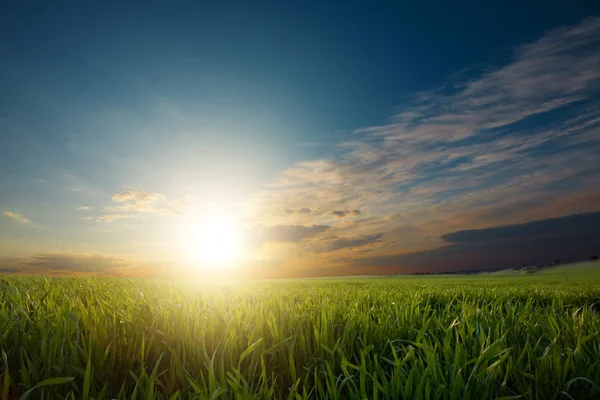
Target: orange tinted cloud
point(16, 217)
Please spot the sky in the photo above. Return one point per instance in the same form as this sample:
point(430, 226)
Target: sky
point(278, 139)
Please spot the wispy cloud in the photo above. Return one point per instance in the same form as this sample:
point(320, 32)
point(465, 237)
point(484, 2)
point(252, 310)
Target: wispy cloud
point(302, 210)
point(286, 233)
point(135, 200)
point(134, 203)
point(61, 264)
point(112, 217)
point(345, 213)
point(75, 262)
point(528, 129)
point(346, 243)
point(16, 217)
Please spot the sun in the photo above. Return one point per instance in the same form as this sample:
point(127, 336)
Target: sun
point(212, 241)
point(217, 241)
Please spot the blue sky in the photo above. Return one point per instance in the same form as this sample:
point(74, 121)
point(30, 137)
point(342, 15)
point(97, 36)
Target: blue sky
point(120, 121)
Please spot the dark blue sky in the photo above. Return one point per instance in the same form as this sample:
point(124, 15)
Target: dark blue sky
point(302, 71)
point(225, 97)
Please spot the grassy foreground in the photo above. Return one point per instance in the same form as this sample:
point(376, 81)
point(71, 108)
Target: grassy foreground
point(488, 336)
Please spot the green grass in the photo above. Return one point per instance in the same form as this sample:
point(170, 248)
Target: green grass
point(532, 336)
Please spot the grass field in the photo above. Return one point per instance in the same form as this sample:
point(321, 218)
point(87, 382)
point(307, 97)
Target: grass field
point(418, 337)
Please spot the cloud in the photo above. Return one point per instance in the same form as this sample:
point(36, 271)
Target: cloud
point(569, 238)
point(136, 200)
point(345, 213)
point(135, 203)
point(302, 210)
point(455, 156)
point(67, 264)
point(345, 243)
point(112, 217)
point(85, 264)
point(16, 217)
point(286, 233)
point(9, 265)
point(83, 208)
point(585, 225)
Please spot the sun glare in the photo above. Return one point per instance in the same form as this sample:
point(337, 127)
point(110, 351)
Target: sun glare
point(217, 241)
point(212, 241)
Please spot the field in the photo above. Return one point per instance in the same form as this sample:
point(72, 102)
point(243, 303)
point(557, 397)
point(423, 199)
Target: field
point(531, 336)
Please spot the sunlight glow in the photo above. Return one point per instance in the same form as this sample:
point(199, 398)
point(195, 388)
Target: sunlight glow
point(214, 240)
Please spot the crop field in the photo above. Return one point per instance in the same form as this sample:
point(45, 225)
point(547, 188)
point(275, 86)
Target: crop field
point(502, 335)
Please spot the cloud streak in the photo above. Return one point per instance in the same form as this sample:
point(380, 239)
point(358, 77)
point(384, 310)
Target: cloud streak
point(569, 238)
point(16, 217)
point(345, 213)
point(286, 233)
point(112, 217)
point(346, 243)
point(581, 225)
point(74, 262)
point(134, 203)
point(302, 210)
point(61, 264)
